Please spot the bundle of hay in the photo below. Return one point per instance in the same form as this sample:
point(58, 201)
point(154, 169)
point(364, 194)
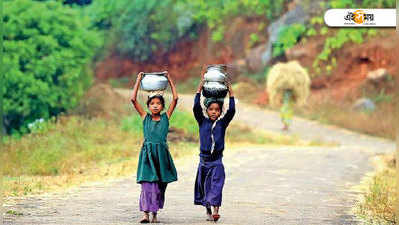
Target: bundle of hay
point(288, 76)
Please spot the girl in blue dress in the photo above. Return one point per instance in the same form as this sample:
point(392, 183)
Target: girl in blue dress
point(212, 128)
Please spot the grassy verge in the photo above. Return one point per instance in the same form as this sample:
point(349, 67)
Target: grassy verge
point(250, 88)
point(343, 116)
point(243, 134)
point(90, 172)
point(377, 205)
point(76, 149)
point(66, 153)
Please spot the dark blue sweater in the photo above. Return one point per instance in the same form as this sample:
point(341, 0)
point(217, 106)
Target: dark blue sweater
point(205, 129)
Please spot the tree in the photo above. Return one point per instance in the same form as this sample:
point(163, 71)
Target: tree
point(146, 26)
point(47, 47)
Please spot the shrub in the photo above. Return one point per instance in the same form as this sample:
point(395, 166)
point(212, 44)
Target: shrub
point(46, 53)
point(149, 25)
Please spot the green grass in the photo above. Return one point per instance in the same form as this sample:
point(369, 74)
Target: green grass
point(69, 143)
point(238, 133)
point(189, 86)
point(121, 82)
point(182, 120)
point(15, 213)
point(132, 124)
point(342, 115)
point(73, 141)
point(76, 149)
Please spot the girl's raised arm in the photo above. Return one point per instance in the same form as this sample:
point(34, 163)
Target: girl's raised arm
point(173, 104)
point(134, 101)
point(201, 84)
point(197, 109)
point(232, 109)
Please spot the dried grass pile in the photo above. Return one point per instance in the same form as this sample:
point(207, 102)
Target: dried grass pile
point(288, 76)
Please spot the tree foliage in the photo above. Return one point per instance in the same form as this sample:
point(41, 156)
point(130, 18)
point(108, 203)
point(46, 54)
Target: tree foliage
point(46, 50)
point(150, 25)
point(143, 27)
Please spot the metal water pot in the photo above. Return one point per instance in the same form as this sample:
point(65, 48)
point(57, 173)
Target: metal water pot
point(216, 73)
point(215, 78)
point(155, 81)
point(214, 89)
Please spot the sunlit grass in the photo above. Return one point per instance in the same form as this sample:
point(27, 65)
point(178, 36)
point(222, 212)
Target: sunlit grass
point(240, 133)
point(90, 172)
point(74, 150)
point(378, 202)
point(365, 122)
point(69, 143)
point(184, 120)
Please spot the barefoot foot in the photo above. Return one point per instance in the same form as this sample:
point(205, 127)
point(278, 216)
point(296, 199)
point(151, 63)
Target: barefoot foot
point(154, 218)
point(209, 214)
point(145, 219)
point(209, 217)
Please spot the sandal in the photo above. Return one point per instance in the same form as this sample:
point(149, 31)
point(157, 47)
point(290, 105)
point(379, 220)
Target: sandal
point(216, 217)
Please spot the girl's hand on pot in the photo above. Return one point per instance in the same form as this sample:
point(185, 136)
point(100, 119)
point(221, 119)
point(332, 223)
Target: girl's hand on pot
point(167, 75)
point(140, 75)
point(203, 71)
point(228, 85)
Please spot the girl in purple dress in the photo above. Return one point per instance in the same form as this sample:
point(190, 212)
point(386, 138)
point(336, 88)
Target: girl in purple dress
point(212, 127)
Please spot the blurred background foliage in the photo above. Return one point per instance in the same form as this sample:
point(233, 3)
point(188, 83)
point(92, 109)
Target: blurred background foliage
point(51, 45)
point(46, 56)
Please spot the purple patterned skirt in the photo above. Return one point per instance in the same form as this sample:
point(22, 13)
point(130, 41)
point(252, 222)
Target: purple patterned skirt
point(152, 197)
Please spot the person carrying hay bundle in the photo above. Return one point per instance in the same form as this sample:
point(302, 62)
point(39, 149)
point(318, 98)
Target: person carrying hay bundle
point(288, 84)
